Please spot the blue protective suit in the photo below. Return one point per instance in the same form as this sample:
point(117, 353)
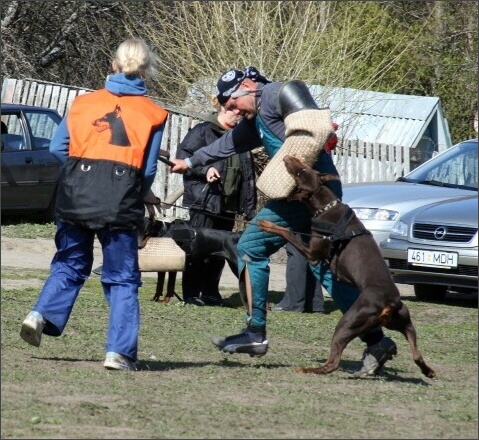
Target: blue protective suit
point(255, 246)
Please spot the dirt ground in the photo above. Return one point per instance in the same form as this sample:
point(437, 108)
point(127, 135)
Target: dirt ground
point(73, 396)
point(37, 254)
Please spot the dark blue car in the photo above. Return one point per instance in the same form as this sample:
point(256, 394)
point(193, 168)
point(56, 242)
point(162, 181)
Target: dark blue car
point(29, 172)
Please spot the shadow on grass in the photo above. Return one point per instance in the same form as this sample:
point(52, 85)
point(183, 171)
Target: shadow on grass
point(165, 366)
point(274, 297)
point(154, 365)
point(389, 373)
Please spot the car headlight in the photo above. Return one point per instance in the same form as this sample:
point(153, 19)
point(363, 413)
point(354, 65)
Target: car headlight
point(399, 229)
point(375, 214)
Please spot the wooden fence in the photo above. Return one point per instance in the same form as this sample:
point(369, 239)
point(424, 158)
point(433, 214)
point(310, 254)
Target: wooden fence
point(356, 161)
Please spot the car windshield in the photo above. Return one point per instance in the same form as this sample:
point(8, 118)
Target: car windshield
point(454, 168)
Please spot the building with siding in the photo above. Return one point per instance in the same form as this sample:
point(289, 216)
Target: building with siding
point(414, 122)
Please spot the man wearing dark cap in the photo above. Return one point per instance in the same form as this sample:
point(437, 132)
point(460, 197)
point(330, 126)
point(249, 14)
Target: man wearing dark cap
point(271, 111)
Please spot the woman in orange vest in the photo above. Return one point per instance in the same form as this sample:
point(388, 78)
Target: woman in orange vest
point(109, 144)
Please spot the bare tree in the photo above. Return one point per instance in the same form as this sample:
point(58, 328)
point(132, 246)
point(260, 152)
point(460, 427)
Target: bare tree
point(422, 48)
point(318, 41)
point(66, 41)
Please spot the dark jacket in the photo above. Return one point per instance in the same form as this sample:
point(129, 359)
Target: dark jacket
point(200, 194)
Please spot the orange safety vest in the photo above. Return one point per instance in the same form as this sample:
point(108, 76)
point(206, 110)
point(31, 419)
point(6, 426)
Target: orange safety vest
point(105, 126)
point(101, 180)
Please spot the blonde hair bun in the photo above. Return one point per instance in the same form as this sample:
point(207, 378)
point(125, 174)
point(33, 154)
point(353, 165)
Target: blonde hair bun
point(134, 57)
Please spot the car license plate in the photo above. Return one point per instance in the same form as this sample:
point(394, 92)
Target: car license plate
point(419, 257)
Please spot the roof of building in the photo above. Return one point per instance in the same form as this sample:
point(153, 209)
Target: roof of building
point(385, 118)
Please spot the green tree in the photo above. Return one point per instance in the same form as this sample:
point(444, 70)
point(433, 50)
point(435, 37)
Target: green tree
point(443, 60)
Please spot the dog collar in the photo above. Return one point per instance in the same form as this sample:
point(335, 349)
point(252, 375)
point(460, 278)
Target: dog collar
point(326, 208)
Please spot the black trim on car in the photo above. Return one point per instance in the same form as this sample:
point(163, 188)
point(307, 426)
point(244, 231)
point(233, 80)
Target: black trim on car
point(395, 263)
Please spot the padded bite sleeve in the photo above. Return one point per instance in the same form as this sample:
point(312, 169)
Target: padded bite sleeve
point(306, 133)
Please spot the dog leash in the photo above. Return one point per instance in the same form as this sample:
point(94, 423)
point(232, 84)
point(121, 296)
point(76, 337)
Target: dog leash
point(244, 223)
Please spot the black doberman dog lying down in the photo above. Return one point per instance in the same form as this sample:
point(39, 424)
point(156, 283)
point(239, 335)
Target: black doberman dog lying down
point(197, 243)
point(339, 238)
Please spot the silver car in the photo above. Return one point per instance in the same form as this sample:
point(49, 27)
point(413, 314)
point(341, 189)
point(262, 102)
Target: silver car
point(452, 173)
point(435, 248)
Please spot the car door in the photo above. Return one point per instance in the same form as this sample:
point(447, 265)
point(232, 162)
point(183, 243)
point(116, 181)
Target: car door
point(17, 176)
point(29, 172)
point(42, 126)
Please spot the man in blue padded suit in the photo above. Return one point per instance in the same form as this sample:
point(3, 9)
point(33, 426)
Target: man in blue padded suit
point(264, 105)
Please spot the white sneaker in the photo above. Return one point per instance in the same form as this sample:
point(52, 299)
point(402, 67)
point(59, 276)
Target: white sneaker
point(115, 361)
point(32, 329)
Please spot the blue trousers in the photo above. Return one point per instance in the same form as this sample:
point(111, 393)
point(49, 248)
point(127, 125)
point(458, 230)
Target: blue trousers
point(70, 268)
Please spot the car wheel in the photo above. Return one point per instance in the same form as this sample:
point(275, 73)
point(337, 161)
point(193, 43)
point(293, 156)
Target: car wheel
point(430, 292)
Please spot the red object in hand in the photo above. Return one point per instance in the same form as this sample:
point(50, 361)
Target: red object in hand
point(332, 142)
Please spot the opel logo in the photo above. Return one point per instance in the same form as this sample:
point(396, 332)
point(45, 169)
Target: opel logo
point(440, 233)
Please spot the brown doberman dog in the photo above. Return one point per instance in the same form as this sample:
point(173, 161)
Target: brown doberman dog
point(340, 239)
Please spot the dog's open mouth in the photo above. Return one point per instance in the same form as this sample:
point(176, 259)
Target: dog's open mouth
point(293, 165)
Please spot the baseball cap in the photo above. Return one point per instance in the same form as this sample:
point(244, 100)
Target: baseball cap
point(232, 79)
point(228, 83)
